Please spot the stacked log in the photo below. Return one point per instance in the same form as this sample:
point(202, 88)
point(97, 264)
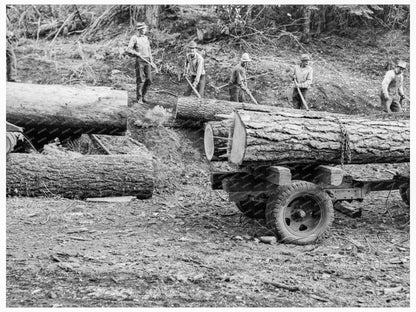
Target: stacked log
point(82, 176)
point(299, 137)
point(47, 112)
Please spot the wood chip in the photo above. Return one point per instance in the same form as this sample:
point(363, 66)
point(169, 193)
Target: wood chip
point(115, 199)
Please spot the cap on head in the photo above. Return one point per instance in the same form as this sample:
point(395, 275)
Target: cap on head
point(192, 45)
point(140, 26)
point(401, 64)
point(305, 57)
point(245, 57)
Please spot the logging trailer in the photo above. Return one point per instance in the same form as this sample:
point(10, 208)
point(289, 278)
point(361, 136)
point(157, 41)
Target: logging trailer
point(285, 166)
point(298, 202)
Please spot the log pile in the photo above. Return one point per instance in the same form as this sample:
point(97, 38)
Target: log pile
point(46, 112)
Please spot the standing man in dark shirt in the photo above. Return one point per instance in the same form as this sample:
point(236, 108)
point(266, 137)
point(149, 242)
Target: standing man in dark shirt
point(195, 69)
point(139, 46)
point(238, 80)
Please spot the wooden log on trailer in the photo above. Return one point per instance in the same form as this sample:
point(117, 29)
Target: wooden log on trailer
point(299, 138)
point(49, 111)
point(79, 176)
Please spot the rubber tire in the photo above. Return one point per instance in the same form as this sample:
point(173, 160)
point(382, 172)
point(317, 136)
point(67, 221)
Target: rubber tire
point(404, 191)
point(252, 209)
point(277, 204)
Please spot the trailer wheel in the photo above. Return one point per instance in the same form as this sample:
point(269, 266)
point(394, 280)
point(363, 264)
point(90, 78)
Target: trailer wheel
point(252, 209)
point(405, 193)
point(299, 213)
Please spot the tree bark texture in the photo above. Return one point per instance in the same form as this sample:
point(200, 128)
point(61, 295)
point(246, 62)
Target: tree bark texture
point(79, 176)
point(203, 110)
point(299, 138)
point(192, 108)
point(49, 111)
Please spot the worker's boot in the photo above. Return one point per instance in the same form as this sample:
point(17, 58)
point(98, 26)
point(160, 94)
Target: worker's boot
point(144, 90)
point(139, 93)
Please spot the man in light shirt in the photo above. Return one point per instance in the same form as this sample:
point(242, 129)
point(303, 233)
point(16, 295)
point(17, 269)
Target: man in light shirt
point(139, 47)
point(302, 75)
point(195, 70)
point(392, 83)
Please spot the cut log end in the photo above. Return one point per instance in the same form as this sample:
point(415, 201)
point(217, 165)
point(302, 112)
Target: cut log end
point(239, 141)
point(209, 142)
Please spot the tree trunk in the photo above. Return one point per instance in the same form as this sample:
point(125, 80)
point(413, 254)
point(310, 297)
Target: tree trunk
point(306, 28)
point(152, 13)
point(305, 138)
point(79, 176)
point(217, 134)
point(49, 111)
point(192, 108)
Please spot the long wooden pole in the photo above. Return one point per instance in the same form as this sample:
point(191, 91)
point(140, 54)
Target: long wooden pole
point(193, 88)
point(301, 95)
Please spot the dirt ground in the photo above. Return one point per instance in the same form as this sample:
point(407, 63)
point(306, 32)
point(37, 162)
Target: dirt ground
point(193, 248)
point(188, 246)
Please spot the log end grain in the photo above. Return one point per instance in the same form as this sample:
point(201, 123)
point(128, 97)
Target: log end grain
point(239, 141)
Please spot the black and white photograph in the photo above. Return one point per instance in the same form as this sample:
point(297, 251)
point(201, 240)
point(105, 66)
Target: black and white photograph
point(207, 155)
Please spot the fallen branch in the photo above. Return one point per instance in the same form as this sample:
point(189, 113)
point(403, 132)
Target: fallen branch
point(283, 286)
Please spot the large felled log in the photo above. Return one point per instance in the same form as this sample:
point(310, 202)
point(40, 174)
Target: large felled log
point(299, 137)
point(79, 176)
point(191, 108)
point(49, 111)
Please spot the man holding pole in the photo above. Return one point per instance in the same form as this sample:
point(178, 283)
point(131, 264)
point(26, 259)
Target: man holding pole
point(391, 85)
point(194, 71)
point(10, 57)
point(238, 80)
point(139, 47)
point(302, 78)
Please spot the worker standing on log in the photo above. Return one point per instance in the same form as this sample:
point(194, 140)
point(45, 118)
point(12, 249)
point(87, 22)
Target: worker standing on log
point(10, 57)
point(139, 46)
point(392, 82)
point(238, 80)
point(302, 76)
point(195, 70)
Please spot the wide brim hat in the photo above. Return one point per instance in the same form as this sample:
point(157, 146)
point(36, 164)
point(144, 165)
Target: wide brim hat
point(401, 64)
point(140, 26)
point(245, 58)
point(305, 57)
point(192, 45)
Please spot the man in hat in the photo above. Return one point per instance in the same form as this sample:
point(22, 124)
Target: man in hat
point(238, 80)
point(195, 70)
point(11, 71)
point(392, 82)
point(302, 77)
point(139, 47)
